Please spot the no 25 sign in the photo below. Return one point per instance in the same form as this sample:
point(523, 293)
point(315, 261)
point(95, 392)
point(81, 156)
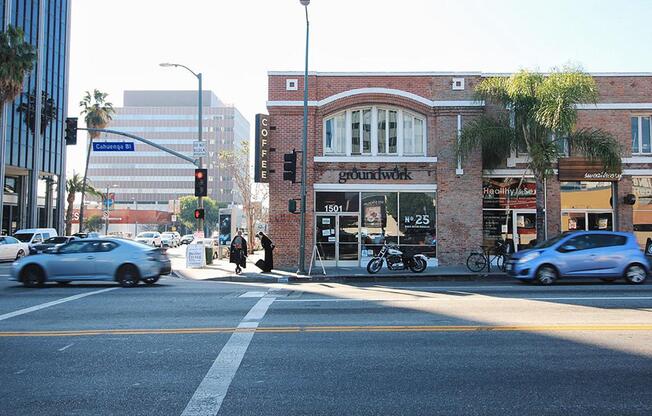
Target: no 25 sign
point(419, 220)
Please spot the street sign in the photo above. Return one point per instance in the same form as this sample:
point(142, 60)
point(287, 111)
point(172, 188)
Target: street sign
point(113, 147)
point(199, 149)
point(174, 219)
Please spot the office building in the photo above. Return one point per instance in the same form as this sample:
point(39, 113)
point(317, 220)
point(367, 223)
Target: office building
point(149, 178)
point(32, 127)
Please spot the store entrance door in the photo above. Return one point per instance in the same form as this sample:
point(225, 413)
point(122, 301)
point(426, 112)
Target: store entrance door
point(525, 228)
point(338, 239)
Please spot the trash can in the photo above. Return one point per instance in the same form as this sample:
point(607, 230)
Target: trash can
point(209, 255)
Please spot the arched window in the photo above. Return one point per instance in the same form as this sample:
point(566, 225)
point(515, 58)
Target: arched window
point(375, 130)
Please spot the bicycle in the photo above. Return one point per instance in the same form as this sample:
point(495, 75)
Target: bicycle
point(476, 262)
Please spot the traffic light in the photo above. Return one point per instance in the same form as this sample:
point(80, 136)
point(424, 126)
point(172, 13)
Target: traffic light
point(71, 131)
point(199, 214)
point(290, 167)
point(201, 182)
point(292, 205)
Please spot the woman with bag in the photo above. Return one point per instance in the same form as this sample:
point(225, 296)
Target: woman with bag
point(268, 246)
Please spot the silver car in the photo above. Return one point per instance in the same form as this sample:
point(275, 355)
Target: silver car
point(112, 259)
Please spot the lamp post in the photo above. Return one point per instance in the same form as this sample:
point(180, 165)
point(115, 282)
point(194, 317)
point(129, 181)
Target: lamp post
point(200, 201)
point(304, 150)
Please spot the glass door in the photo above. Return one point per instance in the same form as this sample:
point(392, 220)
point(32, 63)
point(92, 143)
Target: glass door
point(525, 228)
point(348, 239)
point(326, 236)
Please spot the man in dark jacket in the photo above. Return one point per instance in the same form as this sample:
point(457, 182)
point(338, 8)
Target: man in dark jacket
point(268, 246)
point(238, 252)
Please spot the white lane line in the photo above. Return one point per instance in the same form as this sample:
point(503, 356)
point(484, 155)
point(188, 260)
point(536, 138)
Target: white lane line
point(211, 392)
point(53, 303)
point(487, 297)
point(66, 347)
point(252, 295)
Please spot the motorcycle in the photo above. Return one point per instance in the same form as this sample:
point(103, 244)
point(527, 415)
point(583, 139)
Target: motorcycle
point(396, 260)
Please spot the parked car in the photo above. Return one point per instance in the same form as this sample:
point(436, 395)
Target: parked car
point(187, 239)
point(12, 249)
point(150, 238)
point(168, 239)
point(33, 236)
point(209, 242)
point(51, 243)
point(91, 259)
point(600, 254)
point(91, 234)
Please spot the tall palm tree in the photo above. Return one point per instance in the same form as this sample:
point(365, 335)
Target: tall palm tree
point(541, 118)
point(17, 59)
point(97, 114)
point(74, 185)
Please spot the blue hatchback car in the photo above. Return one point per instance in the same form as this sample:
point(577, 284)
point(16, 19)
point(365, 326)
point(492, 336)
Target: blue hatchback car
point(603, 254)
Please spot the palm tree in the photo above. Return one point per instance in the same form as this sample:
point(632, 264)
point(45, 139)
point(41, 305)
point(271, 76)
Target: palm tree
point(98, 113)
point(541, 119)
point(74, 185)
point(17, 59)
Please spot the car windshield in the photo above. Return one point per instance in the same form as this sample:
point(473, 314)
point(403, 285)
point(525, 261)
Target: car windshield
point(551, 242)
point(55, 240)
point(25, 238)
point(146, 235)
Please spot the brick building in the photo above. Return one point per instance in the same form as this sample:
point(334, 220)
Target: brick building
point(382, 166)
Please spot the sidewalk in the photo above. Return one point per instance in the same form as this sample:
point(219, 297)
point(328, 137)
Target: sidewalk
point(223, 270)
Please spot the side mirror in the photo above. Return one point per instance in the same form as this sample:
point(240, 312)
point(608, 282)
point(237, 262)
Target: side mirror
point(568, 248)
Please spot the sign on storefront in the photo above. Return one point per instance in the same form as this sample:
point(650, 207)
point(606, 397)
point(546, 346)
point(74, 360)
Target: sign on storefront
point(580, 169)
point(261, 169)
point(379, 174)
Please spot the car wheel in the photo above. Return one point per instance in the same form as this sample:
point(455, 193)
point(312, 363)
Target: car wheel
point(151, 280)
point(32, 276)
point(128, 276)
point(21, 253)
point(635, 274)
point(546, 275)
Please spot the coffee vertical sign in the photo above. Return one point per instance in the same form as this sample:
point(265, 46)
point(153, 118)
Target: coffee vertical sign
point(262, 149)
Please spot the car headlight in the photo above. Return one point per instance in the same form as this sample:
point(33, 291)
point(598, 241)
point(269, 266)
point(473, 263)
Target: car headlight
point(529, 257)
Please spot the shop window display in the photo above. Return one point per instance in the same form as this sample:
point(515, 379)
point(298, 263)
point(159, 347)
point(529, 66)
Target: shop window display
point(642, 188)
point(586, 206)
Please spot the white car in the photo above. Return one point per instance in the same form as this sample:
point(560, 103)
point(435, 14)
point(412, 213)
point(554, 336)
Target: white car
point(12, 249)
point(169, 239)
point(151, 238)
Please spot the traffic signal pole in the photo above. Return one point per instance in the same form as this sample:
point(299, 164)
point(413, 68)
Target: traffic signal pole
point(200, 201)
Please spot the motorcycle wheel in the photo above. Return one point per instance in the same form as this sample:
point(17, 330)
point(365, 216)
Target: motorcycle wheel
point(418, 265)
point(374, 265)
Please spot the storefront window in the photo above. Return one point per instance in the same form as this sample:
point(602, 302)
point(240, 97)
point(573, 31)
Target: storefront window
point(509, 211)
point(379, 219)
point(642, 187)
point(586, 206)
point(417, 227)
point(337, 202)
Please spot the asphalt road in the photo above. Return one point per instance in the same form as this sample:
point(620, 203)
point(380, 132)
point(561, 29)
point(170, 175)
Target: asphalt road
point(195, 348)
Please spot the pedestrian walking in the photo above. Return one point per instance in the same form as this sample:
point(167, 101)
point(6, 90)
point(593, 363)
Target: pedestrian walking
point(238, 252)
point(268, 246)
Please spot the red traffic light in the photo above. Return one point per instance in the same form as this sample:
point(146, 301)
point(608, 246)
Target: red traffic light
point(199, 174)
point(199, 214)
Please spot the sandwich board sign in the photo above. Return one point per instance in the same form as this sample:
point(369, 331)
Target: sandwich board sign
point(195, 256)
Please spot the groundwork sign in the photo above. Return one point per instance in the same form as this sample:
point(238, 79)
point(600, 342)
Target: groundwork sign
point(195, 256)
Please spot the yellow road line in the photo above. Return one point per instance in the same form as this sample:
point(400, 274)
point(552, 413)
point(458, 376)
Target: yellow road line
point(357, 328)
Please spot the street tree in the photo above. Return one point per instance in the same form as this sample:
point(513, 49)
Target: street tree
point(540, 116)
point(94, 223)
point(97, 112)
point(188, 205)
point(73, 187)
point(237, 164)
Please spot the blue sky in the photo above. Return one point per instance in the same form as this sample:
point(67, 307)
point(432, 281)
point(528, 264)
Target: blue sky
point(235, 42)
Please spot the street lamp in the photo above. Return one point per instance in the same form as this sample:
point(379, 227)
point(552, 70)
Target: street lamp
point(200, 201)
point(304, 150)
